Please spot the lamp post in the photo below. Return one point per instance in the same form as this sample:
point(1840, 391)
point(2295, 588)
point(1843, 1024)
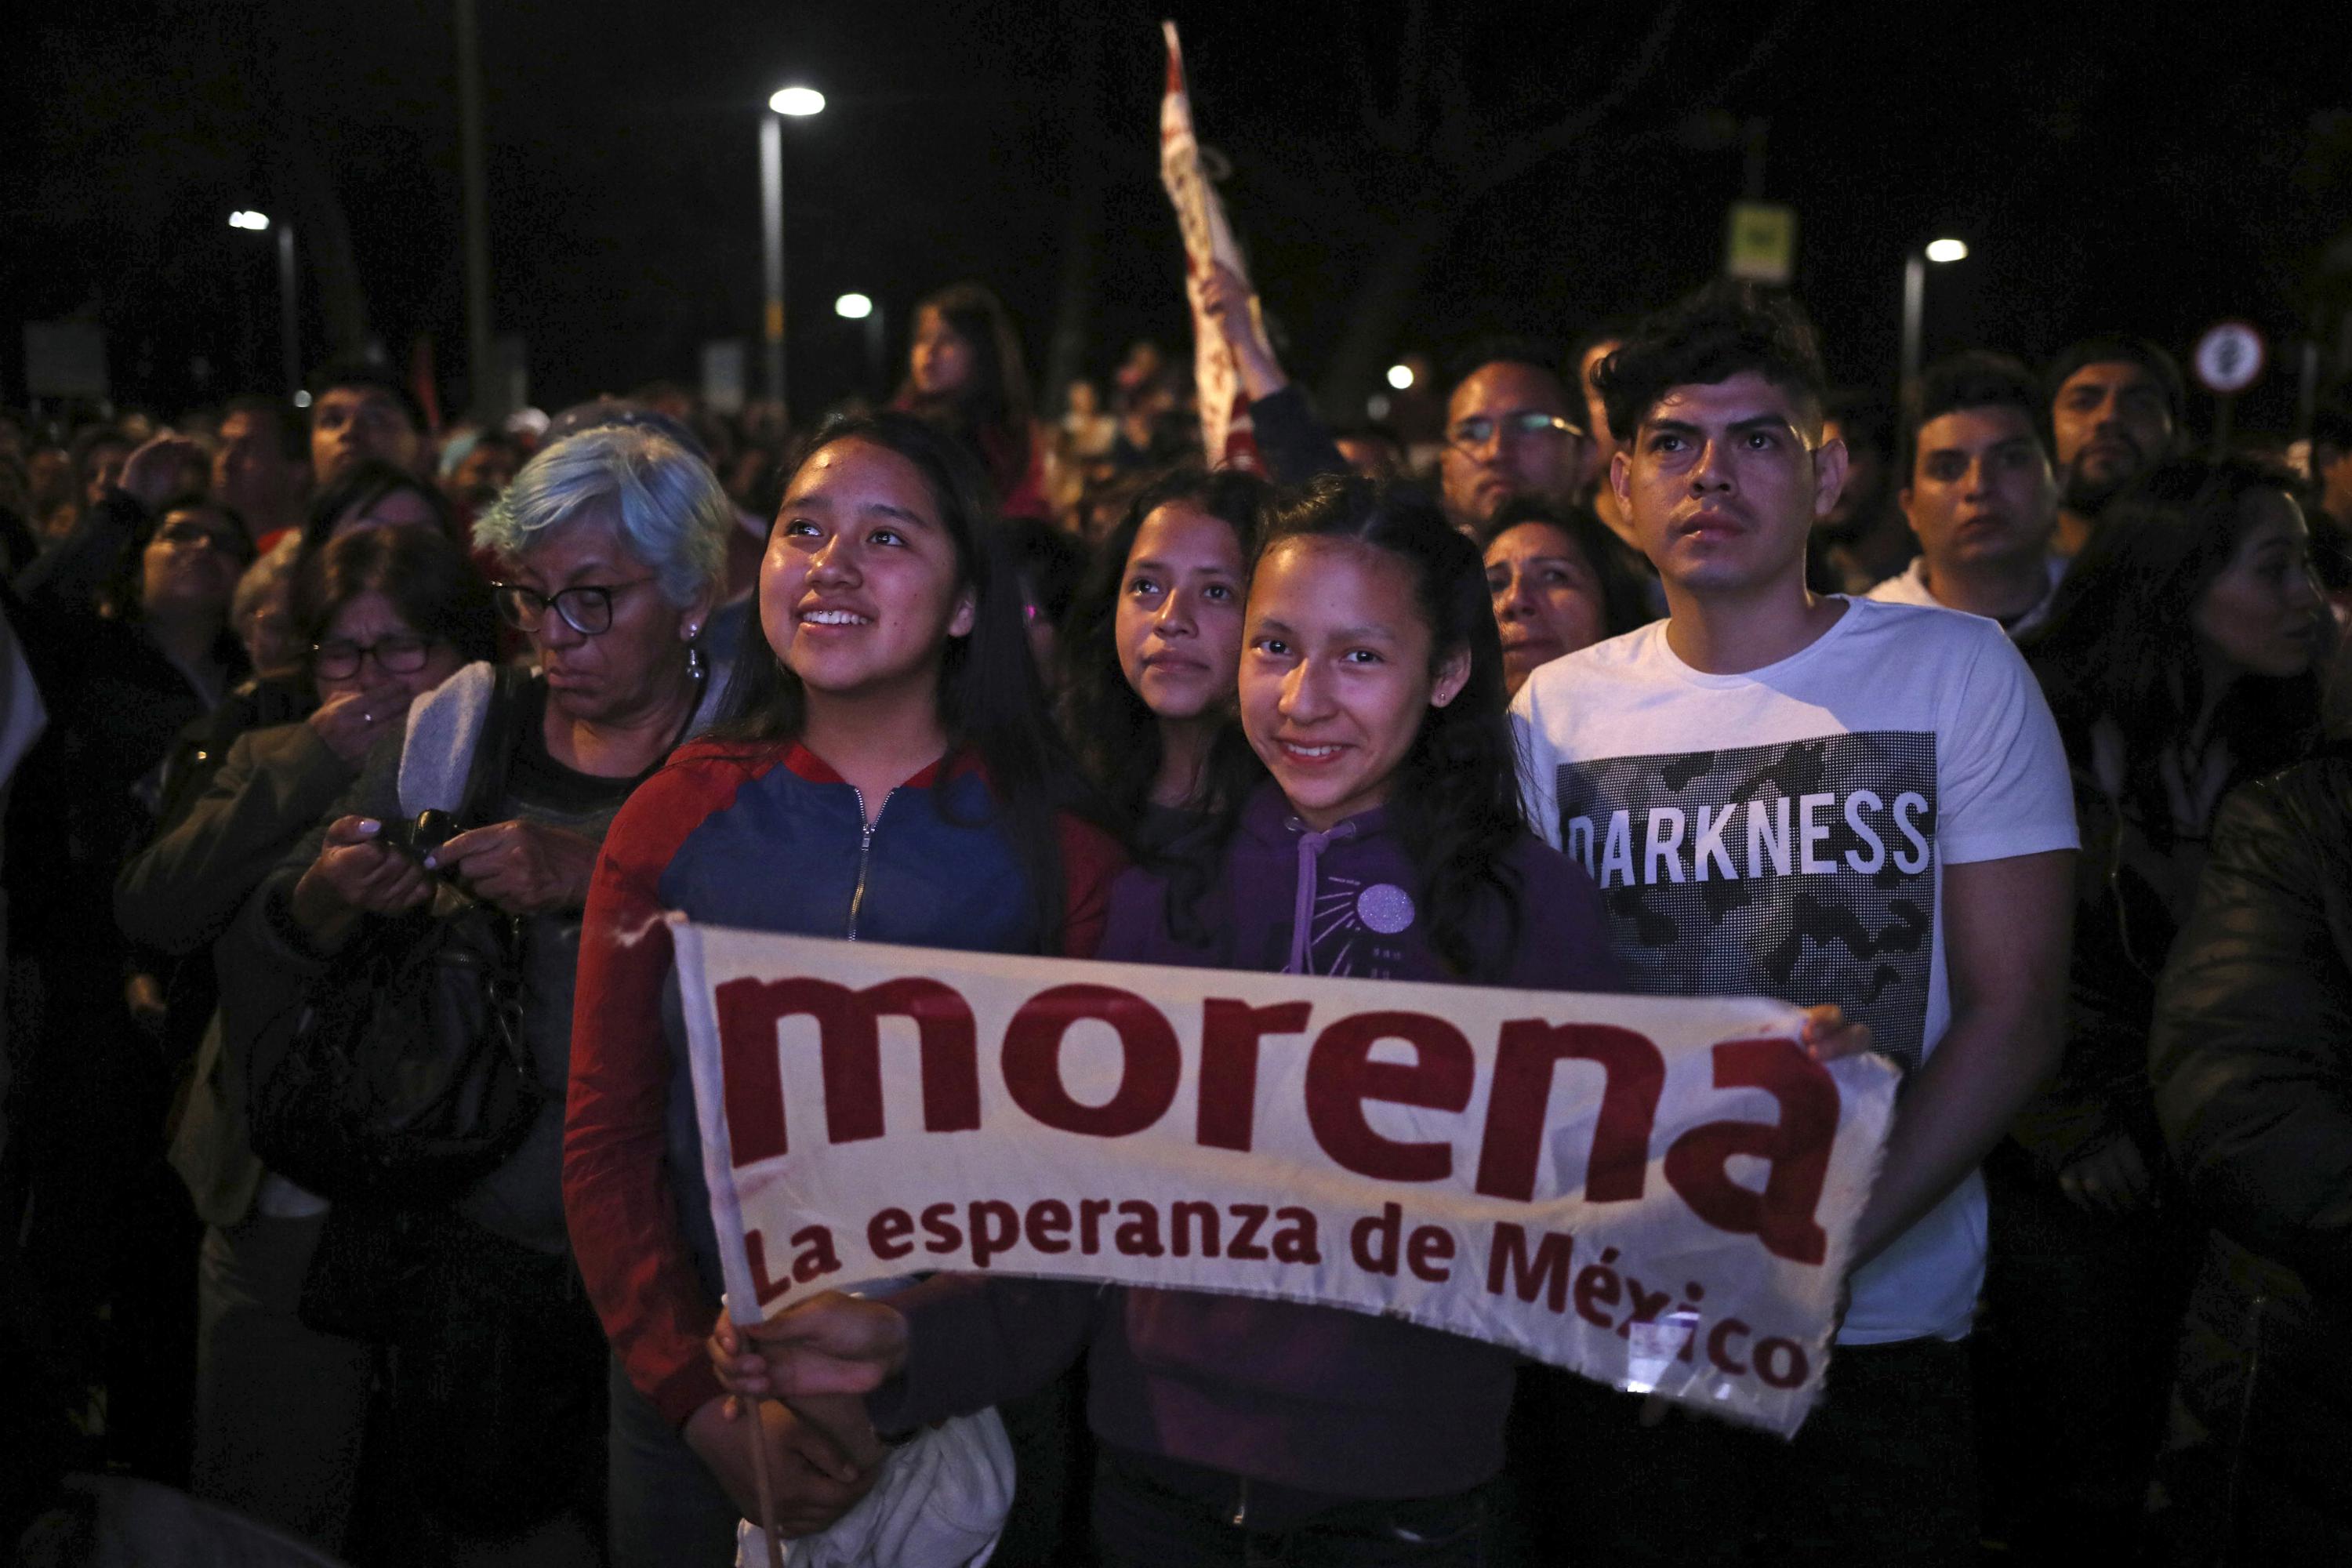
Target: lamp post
point(288, 322)
point(862, 307)
point(799, 102)
point(1915, 300)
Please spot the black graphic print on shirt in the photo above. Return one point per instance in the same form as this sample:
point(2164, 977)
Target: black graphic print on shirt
point(1804, 872)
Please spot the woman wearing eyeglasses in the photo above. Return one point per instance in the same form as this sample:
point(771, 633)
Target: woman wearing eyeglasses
point(610, 546)
point(384, 616)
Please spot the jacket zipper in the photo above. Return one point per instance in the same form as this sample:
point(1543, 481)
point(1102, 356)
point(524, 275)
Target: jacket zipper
point(865, 847)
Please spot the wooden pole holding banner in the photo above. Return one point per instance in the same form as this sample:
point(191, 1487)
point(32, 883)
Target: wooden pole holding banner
point(765, 1484)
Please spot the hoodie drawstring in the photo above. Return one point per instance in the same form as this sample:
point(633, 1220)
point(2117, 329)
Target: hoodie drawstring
point(1302, 911)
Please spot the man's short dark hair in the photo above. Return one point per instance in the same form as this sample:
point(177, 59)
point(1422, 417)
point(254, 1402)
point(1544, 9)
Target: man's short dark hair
point(1725, 330)
point(1865, 419)
point(2120, 348)
point(1527, 351)
point(372, 378)
point(278, 417)
point(1975, 378)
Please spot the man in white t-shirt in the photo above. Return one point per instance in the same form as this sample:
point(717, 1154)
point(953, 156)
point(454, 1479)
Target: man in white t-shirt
point(1824, 800)
point(1979, 495)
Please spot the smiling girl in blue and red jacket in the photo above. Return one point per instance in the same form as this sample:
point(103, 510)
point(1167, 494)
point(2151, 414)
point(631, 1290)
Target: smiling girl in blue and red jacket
point(894, 778)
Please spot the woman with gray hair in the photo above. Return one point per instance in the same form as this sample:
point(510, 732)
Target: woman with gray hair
point(610, 543)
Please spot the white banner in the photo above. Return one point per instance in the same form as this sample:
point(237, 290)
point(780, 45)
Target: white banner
point(1655, 1193)
point(1225, 435)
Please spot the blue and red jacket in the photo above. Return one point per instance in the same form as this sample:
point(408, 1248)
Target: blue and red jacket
point(764, 840)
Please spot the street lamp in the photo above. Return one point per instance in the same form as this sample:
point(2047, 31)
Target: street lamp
point(799, 102)
point(288, 322)
point(1401, 376)
point(862, 307)
point(1915, 300)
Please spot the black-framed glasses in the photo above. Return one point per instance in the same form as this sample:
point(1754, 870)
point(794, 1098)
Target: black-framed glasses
point(1528, 423)
point(339, 661)
point(587, 609)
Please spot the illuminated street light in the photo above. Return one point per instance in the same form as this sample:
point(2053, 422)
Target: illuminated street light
point(1941, 250)
point(1915, 302)
point(799, 102)
point(852, 307)
point(243, 218)
point(1401, 376)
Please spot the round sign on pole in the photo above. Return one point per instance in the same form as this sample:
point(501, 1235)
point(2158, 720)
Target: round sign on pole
point(2229, 358)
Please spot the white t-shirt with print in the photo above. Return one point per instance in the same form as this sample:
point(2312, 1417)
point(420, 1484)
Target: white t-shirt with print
point(1779, 832)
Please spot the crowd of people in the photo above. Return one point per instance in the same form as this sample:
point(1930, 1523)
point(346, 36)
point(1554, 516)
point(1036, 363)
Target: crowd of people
point(327, 720)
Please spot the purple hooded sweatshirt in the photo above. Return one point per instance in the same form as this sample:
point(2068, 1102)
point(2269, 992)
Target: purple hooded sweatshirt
point(1323, 1404)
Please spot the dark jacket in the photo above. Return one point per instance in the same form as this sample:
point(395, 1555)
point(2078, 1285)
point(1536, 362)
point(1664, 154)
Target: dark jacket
point(2252, 1059)
point(1326, 1403)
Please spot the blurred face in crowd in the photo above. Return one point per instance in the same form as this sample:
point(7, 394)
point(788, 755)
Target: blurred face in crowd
point(2264, 614)
point(482, 475)
point(267, 630)
point(370, 650)
point(398, 507)
point(632, 665)
point(1546, 596)
point(1368, 455)
point(351, 423)
point(1981, 489)
point(1179, 624)
point(1722, 485)
point(250, 471)
point(2332, 467)
point(942, 360)
point(191, 565)
point(860, 590)
point(1601, 446)
point(102, 470)
point(1337, 674)
point(1509, 430)
point(1865, 490)
point(2112, 421)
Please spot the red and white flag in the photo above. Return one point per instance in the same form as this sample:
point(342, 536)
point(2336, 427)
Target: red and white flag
point(1225, 436)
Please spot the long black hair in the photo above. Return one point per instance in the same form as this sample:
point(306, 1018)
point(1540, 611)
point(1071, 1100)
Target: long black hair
point(1116, 735)
point(1455, 801)
point(2121, 643)
point(992, 702)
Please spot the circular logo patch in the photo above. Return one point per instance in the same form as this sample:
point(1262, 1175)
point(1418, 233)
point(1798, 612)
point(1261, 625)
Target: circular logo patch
point(1385, 907)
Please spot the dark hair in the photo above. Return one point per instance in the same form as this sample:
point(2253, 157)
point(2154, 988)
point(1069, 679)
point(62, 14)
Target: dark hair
point(990, 414)
point(368, 377)
point(1535, 356)
point(119, 591)
point(2331, 426)
point(89, 439)
point(1864, 418)
point(425, 575)
point(1625, 597)
point(363, 484)
point(2121, 646)
point(2117, 348)
point(990, 699)
point(1117, 737)
point(279, 418)
point(1455, 802)
point(1724, 330)
point(1050, 562)
point(1974, 379)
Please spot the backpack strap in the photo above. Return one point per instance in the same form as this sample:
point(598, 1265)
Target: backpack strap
point(494, 746)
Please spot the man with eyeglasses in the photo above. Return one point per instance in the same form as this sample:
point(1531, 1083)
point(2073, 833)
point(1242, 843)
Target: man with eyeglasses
point(1511, 429)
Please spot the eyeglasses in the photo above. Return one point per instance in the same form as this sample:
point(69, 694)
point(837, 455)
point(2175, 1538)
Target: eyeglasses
point(1528, 424)
point(587, 609)
point(340, 660)
point(190, 535)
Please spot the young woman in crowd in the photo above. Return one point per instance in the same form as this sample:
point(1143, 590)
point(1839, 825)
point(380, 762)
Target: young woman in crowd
point(964, 374)
point(893, 777)
point(383, 617)
point(372, 493)
point(1559, 583)
point(1154, 643)
point(1372, 689)
point(2180, 659)
point(611, 544)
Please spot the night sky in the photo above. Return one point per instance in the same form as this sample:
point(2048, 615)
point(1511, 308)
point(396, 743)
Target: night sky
point(2150, 168)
